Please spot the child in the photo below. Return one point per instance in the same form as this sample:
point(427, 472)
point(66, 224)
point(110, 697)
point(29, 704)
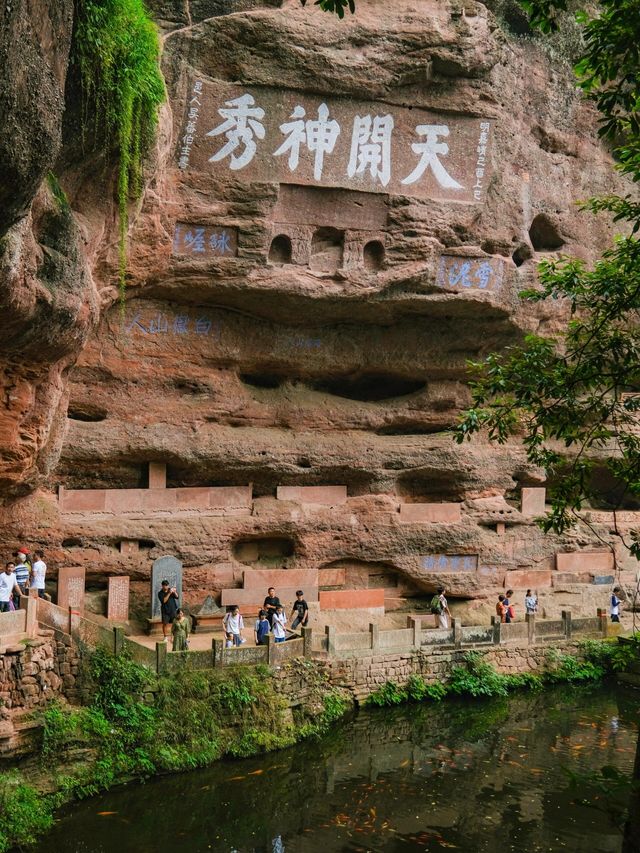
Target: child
point(509, 609)
point(279, 621)
point(615, 604)
point(262, 628)
point(500, 608)
point(234, 626)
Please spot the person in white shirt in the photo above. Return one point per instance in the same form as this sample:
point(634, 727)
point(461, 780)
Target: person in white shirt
point(38, 572)
point(279, 621)
point(615, 604)
point(445, 614)
point(8, 587)
point(234, 626)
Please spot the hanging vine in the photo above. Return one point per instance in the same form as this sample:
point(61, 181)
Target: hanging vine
point(116, 50)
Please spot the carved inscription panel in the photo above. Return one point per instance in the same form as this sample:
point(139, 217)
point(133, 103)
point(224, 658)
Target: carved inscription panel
point(261, 134)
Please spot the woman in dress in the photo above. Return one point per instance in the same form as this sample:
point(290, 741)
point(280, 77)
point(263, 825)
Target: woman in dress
point(180, 630)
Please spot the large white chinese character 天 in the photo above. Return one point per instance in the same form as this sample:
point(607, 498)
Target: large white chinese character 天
point(371, 147)
point(429, 151)
point(242, 123)
point(319, 135)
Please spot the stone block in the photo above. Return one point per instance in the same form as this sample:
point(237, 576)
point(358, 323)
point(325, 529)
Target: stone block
point(603, 580)
point(560, 579)
point(251, 599)
point(527, 579)
point(129, 546)
point(326, 495)
point(230, 496)
point(438, 513)
point(82, 500)
point(192, 498)
point(118, 599)
point(595, 562)
point(157, 499)
point(262, 579)
point(71, 580)
point(157, 475)
point(532, 501)
point(332, 577)
point(352, 599)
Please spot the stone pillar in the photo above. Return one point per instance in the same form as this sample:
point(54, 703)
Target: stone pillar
point(307, 641)
point(31, 606)
point(374, 632)
point(457, 632)
point(501, 528)
point(566, 618)
point(161, 658)
point(118, 640)
point(157, 475)
point(602, 616)
point(496, 623)
point(415, 622)
point(330, 632)
point(271, 649)
point(217, 649)
point(530, 619)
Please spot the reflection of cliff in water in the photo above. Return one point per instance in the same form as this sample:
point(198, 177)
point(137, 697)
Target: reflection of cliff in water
point(421, 777)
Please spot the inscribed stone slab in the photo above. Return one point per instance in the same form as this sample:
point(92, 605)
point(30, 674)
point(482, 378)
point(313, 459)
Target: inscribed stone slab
point(450, 562)
point(164, 568)
point(118, 599)
point(71, 587)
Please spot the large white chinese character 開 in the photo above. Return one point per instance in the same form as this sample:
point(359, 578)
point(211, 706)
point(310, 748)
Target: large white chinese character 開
point(242, 123)
point(429, 151)
point(371, 147)
point(319, 135)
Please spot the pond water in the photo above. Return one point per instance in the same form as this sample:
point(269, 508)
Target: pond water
point(474, 776)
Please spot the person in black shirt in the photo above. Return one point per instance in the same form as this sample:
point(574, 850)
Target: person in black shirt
point(301, 611)
point(168, 607)
point(270, 603)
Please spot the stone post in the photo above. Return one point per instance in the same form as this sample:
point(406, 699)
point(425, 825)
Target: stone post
point(118, 640)
point(602, 616)
point(74, 620)
point(271, 649)
point(330, 632)
point(456, 624)
point(31, 606)
point(374, 632)
point(566, 618)
point(157, 475)
point(307, 641)
point(496, 623)
point(161, 658)
point(415, 622)
point(217, 649)
point(530, 619)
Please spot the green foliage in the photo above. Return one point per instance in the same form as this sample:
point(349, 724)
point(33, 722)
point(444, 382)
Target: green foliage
point(388, 695)
point(116, 51)
point(336, 7)
point(612, 655)
point(57, 192)
point(24, 813)
point(568, 669)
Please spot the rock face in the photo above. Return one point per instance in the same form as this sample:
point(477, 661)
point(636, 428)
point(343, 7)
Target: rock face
point(339, 214)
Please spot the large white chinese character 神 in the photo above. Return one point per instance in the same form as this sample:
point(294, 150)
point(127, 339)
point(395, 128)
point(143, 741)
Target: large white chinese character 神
point(429, 151)
point(242, 123)
point(371, 147)
point(319, 135)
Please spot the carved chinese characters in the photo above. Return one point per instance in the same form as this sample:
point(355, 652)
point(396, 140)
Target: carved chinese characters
point(262, 135)
point(459, 273)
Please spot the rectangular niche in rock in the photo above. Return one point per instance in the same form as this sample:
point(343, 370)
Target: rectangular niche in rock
point(164, 568)
point(333, 208)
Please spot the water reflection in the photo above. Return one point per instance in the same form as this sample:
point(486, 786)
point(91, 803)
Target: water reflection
point(473, 777)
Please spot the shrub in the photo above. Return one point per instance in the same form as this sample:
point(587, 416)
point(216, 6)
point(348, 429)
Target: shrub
point(25, 814)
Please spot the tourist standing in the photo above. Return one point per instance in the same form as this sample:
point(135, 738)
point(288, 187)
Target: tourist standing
point(616, 604)
point(261, 629)
point(509, 609)
point(8, 586)
point(444, 614)
point(270, 603)
point(38, 573)
point(301, 611)
point(168, 607)
point(531, 602)
point(279, 621)
point(500, 608)
point(234, 626)
point(23, 571)
point(180, 629)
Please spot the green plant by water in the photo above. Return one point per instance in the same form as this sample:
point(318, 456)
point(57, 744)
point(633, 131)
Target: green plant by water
point(116, 51)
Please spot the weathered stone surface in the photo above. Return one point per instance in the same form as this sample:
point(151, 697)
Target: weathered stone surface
point(329, 344)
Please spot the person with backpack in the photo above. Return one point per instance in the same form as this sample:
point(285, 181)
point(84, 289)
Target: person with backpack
point(261, 629)
point(500, 608)
point(615, 604)
point(440, 608)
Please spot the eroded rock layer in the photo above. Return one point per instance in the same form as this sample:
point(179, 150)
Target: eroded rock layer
point(338, 216)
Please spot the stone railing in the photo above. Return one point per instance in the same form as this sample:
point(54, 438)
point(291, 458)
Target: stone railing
point(414, 637)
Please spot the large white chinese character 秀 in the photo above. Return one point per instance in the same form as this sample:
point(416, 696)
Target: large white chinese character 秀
point(371, 147)
point(319, 135)
point(429, 151)
point(242, 122)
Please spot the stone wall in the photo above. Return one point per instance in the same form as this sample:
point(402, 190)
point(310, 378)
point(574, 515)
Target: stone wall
point(32, 673)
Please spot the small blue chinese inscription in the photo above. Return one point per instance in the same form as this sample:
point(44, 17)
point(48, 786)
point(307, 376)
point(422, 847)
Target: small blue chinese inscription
point(471, 273)
point(450, 562)
point(201, 241)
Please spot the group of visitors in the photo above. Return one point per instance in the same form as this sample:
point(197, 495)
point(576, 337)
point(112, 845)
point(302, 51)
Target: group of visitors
point(272, 619)
point(507, 612)
point(20, 576)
